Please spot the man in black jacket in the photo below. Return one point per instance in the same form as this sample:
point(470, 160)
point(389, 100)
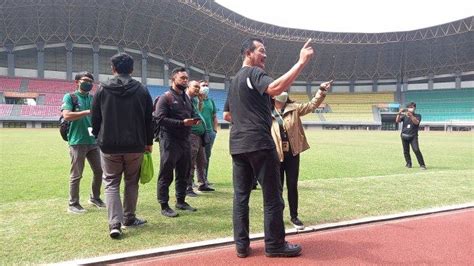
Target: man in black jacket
point(121, 122)
point(175, 115)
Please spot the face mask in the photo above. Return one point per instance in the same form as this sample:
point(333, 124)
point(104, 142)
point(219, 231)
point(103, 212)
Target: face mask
point(283, 97)
point(86, 86)
point(411, 110)
point(205, 91)
point(181, 87)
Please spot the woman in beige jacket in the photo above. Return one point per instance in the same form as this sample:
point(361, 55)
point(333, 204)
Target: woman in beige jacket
point(290, 141)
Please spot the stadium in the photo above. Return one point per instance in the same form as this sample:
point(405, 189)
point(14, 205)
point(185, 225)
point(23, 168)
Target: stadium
point(45, 43)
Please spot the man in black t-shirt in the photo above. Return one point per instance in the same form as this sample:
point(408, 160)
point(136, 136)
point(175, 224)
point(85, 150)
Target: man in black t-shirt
point(253, 150)
point(228, 117)
point(410, 125)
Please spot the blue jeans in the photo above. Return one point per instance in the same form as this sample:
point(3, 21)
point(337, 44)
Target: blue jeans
point(208, 150)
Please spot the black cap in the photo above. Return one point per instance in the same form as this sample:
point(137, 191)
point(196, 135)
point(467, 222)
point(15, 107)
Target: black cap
point(83, 74)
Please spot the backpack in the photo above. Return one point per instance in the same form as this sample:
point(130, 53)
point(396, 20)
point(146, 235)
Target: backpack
point(63, 124)
point(154, 121)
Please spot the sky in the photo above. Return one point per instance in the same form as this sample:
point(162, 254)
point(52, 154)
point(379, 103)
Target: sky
point(353, 16)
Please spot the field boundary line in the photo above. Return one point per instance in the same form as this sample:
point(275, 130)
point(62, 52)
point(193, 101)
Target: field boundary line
point(420, 173)
point(143, 254)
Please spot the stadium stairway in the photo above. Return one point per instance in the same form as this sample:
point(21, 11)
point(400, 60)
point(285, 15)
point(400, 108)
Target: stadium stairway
point(376, 113)
point(16, 110)
point(321, 117)
point(40, 100)
point(24, 85)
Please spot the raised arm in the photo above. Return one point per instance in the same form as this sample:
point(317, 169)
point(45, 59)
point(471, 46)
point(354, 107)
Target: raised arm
point(398, 119)
point(318, 98)
point(413, 118)
point(282, 83)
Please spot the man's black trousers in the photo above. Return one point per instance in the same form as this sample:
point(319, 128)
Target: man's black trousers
point(265, 166)
point(174, 154)
point(416, 149)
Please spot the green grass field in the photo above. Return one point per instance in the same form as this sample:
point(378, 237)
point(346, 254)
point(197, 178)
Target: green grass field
point(345, 175)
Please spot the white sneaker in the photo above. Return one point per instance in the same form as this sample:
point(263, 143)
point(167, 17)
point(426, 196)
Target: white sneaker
point(297, 223)
point(77, 209)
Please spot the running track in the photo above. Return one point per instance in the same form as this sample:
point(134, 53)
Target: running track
point(445, 238)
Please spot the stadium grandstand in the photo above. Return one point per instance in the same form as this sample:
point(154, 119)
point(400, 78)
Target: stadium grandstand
point(44, 43)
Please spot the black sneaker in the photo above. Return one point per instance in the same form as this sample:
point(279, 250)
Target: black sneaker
point(136, 222)
point(76, 208)
point(191, 193)
point(97, 202)
point(408, 165)
point(168, 212)
point(185, 207)
point(115, 230)
point(243, 252)
point(206, 188)
point(423, 167)
point(288, 250)
point(297, 223)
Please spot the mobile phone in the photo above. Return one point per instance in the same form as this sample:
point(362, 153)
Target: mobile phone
point(197, 119)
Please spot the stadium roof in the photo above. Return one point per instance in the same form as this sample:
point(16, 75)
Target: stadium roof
point(206, 35)
point(352, 16)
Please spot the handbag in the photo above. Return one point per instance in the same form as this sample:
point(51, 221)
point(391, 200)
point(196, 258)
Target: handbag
point(206, 139)
point(146, 169)
point(406, 136)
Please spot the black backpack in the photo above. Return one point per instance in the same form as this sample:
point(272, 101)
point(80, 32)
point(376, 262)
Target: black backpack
point(155, 125)
point(63, 124)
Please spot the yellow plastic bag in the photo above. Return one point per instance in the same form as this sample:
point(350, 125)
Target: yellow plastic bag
point(146, 170)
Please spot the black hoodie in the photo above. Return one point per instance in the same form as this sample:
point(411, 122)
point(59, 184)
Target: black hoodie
point(121, 116)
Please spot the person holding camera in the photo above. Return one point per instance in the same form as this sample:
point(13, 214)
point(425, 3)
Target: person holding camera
point(409, 135)
point(290, 141)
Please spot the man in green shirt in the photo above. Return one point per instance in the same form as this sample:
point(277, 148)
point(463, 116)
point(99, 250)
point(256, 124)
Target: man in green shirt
point(82, 145)
point(198, 157)
point(208, 113)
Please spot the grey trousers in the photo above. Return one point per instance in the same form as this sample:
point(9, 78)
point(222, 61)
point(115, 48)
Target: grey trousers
point(113, 166)
point(198, 161)
point(79, 154)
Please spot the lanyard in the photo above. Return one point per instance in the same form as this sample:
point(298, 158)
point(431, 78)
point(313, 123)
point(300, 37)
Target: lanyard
point(280, 117)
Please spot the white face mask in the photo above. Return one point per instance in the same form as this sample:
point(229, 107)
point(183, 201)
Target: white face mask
point(283, 97)
point(205, 91)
